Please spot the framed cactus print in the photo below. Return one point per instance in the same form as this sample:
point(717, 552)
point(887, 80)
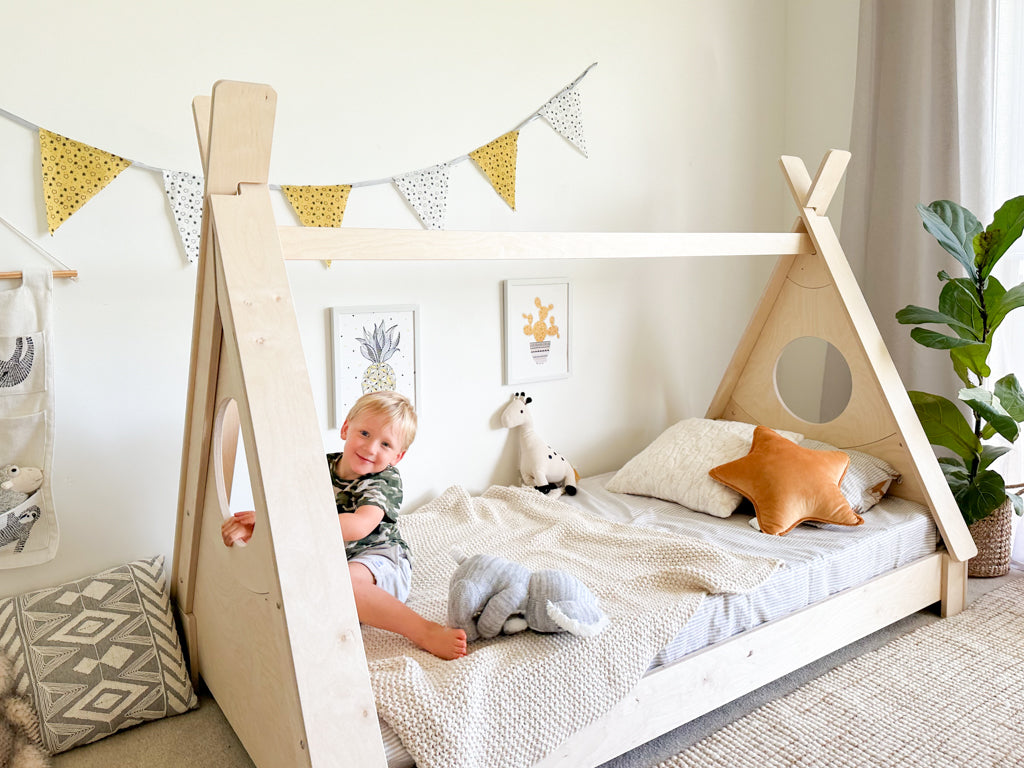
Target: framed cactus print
point(373, 348)
point(536, 326)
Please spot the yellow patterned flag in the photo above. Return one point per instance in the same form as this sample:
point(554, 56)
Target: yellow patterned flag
point(498, 162)
point(73, 173)
point(318, 206)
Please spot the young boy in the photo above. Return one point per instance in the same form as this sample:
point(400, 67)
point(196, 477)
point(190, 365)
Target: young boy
point(368, 491)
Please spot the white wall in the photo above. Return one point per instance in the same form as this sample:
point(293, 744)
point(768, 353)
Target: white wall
point(684, 114)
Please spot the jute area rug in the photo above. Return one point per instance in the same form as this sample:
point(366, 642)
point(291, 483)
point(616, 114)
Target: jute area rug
point(948, 694)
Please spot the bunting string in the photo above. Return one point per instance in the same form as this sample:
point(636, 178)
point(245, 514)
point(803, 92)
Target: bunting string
point(35, 246)
point(74, 172)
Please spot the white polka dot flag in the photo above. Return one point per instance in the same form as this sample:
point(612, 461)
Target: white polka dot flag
point(563, 113)
point(427, 192)
point(185, 194)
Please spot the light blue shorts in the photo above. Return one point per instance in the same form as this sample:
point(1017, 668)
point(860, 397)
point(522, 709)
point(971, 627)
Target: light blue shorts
point(390, 567)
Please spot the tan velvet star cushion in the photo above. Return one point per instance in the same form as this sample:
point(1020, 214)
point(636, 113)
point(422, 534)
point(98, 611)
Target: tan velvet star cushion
point(788, 484)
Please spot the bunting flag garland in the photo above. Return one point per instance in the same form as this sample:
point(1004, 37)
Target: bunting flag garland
point(564, 114)
point(73, 173)
point(318, 206)
point(427, 192)
point(185, 194)
point(498, 162)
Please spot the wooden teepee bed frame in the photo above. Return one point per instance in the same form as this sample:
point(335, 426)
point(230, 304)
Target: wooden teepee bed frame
point(271, 628)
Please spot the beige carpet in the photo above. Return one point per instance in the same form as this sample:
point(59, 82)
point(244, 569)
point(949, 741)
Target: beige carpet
point(948, 694)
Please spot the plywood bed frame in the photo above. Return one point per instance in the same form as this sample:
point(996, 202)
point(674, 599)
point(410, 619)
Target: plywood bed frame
point(272, 629)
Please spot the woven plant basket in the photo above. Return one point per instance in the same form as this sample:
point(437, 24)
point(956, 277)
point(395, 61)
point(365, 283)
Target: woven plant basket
point(993, 535)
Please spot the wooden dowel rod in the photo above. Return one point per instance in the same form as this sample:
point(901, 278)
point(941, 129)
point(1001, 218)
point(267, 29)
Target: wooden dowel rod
point(56, 273)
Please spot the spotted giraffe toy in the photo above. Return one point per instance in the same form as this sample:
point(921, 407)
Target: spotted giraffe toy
point(540, 465)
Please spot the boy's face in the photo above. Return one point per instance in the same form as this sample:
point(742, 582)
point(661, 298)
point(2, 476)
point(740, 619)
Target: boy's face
point(372, 444)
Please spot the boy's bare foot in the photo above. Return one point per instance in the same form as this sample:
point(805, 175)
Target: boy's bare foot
point(443, 642)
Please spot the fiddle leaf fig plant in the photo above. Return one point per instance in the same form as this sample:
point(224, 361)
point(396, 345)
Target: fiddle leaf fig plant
point(972, 308)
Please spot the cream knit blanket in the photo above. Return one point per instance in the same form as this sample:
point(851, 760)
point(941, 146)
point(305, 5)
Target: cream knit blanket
point(515, 698)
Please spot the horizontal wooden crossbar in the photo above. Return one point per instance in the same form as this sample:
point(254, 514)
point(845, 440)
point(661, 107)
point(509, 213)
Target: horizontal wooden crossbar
point(329, 244)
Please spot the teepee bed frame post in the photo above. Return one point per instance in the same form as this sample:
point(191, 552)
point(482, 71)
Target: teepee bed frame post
point(271, 627)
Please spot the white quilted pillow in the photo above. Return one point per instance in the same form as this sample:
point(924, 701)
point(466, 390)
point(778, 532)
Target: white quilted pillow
point(675, 466)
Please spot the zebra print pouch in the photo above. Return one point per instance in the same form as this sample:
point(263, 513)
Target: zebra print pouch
point(28, 523)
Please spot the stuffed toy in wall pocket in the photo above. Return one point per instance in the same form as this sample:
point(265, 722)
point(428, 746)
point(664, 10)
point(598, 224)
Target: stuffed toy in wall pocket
point(17, 486)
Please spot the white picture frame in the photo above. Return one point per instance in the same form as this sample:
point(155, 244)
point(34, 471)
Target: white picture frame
point(399, 323)
point(537, 327)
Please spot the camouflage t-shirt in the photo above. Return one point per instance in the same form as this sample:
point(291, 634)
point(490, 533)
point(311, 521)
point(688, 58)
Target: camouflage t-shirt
point(380, 489)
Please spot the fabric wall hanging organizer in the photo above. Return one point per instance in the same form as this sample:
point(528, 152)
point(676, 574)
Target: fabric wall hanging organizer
point(29, 534)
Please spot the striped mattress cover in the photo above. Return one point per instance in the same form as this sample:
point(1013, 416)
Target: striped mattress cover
point(819, 562)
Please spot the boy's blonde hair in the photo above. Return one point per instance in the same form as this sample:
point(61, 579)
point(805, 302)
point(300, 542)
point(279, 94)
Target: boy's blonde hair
point(393, 406)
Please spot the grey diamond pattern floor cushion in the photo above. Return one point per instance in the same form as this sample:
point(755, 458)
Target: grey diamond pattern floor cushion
point(97, 655)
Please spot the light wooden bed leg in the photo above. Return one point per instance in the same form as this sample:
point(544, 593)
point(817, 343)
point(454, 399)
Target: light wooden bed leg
point(954, 586)
point(187, 628)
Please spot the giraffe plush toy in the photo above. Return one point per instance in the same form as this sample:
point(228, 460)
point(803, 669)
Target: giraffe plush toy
point(540, 465)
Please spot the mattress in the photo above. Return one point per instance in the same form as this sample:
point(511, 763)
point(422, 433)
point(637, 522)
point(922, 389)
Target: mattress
point(819, 561)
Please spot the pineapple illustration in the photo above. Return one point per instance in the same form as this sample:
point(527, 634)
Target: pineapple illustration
point(378, 347)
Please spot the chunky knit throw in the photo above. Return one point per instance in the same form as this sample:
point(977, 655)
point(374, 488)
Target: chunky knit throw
point(515, 698)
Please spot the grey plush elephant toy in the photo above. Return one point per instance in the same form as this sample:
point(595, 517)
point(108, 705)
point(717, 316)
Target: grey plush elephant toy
point(489, 595)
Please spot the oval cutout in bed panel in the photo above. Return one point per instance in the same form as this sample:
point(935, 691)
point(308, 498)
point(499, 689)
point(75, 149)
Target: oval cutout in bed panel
point(813, 380)
point(229, 464)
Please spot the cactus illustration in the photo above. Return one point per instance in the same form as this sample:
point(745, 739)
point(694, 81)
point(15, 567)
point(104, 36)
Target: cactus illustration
point(540, 331)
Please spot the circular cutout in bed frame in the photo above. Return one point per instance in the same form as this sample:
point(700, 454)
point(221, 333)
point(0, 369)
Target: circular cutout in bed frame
point(813, 380)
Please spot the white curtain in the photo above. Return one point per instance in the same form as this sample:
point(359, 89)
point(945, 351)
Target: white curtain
point(915, 97)
point(938, 114)
point(1008, 181)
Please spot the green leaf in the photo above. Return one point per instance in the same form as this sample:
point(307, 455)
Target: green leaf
point(913, 315)
point(983, 402)
point(973, 357)
point(959, 299)
point(992, 452)
point(963, 285)
point(945, 425)
point(1006, 227)
point(960, 369)
point(1008, 301)
point(1009, 392)
point(936, 340)
point(1018, 503)
point(954, 227)
point(955, 472)
point(979, 498)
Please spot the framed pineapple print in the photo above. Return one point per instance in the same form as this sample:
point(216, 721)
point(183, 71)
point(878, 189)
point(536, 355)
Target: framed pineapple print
point(536, 327)
point(373, 348)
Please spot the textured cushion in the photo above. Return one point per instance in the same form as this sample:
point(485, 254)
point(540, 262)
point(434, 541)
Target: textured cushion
point(788, 484)
point(675, 466)
point(97, 655)
point(866, 480)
